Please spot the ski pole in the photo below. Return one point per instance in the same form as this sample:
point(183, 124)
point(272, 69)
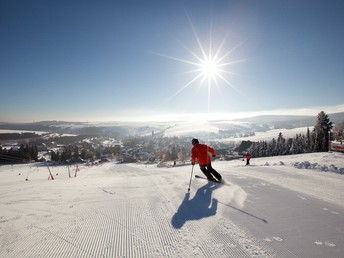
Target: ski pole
point(51, 175)
point(190, 178)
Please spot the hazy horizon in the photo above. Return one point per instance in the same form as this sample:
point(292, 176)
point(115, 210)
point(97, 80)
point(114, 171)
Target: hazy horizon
point(197, 117)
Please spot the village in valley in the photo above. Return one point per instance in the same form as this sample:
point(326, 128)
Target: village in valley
point(66, 143)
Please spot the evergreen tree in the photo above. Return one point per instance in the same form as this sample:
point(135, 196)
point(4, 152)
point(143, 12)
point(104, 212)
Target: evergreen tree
point(34, 152)
point(308, 142)
point(55, 156)
point(321, 132)
point(287, 146)
point(273, 147)
point(280, 147)
point(66, 154)
point(297, 144)
point(83, 154)
point(75, 153)
point(338, 131)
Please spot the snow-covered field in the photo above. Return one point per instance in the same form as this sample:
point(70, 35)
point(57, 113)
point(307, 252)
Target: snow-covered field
point(270, 134)
point(200, 129)
point(286, 206)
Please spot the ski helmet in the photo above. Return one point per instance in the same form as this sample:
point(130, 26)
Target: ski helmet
point(194, 141)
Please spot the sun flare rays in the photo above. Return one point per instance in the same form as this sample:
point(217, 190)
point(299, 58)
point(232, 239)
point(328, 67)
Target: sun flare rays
point(210, 66)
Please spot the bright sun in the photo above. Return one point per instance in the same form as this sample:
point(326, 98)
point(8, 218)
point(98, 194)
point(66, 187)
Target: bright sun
point(211, 67)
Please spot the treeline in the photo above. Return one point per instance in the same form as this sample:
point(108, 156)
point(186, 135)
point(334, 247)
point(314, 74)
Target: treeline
point(86, 152)
point(175, 152)
point(17, 136)
point(24, 154)
point(316, 140)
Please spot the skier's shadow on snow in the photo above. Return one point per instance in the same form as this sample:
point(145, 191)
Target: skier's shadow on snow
point(202, 205)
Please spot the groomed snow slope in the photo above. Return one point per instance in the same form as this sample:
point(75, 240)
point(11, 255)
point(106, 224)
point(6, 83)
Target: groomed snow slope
point(277, 207)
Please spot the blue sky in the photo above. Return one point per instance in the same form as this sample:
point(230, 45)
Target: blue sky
point(135, 60)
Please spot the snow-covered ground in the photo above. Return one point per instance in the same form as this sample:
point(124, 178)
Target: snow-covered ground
point(201, 129)
point(285, 206)
point(270, 134)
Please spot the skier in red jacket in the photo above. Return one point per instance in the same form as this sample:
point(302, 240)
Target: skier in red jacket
point(201, 153)
point(248, 157)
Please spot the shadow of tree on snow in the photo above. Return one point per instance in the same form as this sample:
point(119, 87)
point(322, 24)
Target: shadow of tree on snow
point(202, 205)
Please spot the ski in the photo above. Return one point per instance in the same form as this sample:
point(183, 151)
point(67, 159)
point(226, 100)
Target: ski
point(202, 177)
point(222, 182)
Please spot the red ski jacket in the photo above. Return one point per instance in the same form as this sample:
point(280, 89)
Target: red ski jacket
point(200, 151)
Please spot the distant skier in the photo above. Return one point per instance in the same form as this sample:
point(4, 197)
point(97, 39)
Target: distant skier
point(248, 157)
point(201, 153)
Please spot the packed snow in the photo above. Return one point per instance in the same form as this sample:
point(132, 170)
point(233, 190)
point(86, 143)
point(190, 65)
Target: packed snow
point(285, 206)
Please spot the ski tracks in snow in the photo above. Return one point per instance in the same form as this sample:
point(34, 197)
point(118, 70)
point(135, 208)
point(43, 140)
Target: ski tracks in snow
point(128, 211)
point(204, 230)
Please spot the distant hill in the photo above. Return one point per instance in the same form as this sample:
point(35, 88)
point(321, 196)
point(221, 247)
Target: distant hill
point(289, 121)
point(337, 117)
point(274, 118)
point(208, 130)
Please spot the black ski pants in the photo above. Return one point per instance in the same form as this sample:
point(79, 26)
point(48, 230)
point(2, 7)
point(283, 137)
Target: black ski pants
point(210, 172)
